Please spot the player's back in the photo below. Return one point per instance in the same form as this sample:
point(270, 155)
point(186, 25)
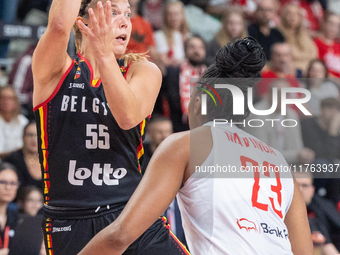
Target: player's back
point(231, 205)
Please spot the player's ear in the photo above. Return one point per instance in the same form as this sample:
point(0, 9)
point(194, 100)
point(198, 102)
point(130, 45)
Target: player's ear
point(197, 105)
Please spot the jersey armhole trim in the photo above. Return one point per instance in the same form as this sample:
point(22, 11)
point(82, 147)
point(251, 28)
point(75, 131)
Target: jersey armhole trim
point(56, 89)
point(88, 65)
point(127, 69)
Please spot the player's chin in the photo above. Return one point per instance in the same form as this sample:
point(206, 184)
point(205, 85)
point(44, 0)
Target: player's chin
point(119, 51)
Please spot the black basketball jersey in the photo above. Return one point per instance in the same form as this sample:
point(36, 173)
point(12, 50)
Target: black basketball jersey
point(87, 160)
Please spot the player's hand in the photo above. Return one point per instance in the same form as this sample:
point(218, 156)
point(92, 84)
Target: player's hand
point(101, 30)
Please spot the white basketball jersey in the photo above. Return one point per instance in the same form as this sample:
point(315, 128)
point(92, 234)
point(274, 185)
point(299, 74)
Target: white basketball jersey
point(225, 213)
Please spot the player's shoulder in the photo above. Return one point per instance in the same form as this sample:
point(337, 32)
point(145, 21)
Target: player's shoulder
point(190, 135)
point(178, 138)
point(144, 65)
point(176, 144)
point(200, 132)
point(188, 141)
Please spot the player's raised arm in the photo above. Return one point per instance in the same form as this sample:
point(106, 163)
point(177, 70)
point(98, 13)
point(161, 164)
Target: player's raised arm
point(131, 100)
point(50, 59)
point(136, 100)
point(162, 180)
point(297, 225)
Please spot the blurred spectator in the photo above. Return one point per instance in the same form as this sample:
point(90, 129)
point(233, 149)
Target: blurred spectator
point(200, 22)
point(176, 84)
point(159, 128)
point(25, 6)
point(329, 49)
point(262, 30)
point(9, 184)
point(333, 194)
point(321, 133)
point(324, 4)
point(319, 86)
point(280, 67)
point(7, 15)
point(193, 67)
point(322, 215)
point(12, 122)
point(21, 79)
point(302, 47)
point(30, 200)
point(334, 6)
point(31, 13)
point(26, 160)
point(218, 7)
point(281, 62)
point(233, 28)
point(248, 6)
point(153, 12)
point(141, 40)
point(287, 140)
point(8, 11)
point(312, 12)
point(170, 40)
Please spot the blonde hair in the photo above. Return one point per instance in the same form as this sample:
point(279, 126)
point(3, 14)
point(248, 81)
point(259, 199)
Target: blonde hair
point(17, 108)
point(222, 36)
point(168, 31)
point(83, 12)
point(299, 37)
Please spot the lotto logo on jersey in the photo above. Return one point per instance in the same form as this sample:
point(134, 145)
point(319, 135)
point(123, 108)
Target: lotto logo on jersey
point(99, 175)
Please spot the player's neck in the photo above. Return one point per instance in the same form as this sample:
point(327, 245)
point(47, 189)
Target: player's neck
point(91, 59)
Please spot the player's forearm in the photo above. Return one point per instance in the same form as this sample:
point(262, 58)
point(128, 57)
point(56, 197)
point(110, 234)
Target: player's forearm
point(107, 241)
point(123, 102)
point(158, 188)
point(297, 225)
point(153, 195)
point(63, 14)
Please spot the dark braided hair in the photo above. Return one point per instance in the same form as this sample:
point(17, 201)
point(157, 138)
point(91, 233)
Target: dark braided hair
point(241, 62)
point(242, 59)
